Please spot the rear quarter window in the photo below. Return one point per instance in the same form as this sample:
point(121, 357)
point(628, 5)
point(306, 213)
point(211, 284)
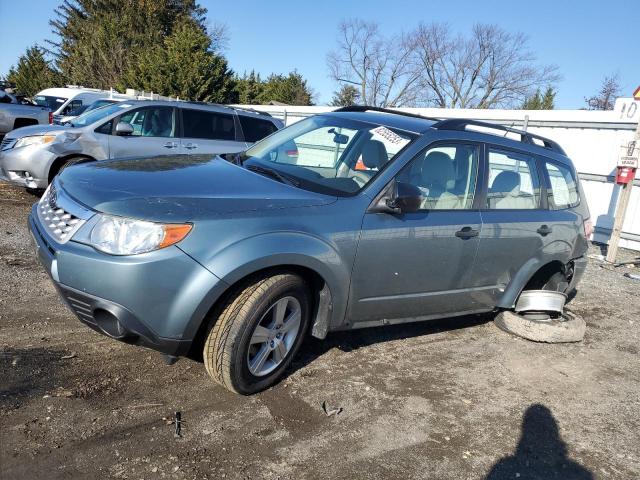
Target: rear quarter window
point(563, 188)
point(255, 129)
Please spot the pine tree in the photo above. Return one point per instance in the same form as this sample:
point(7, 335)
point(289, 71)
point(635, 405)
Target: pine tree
point(99, 41)
point(347, 95)
point(185, 66)
point(33, 72)
point(540, 101)
point(249, 88)
point(291, 89)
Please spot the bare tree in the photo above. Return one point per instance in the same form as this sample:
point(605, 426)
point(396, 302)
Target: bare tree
point(491, 68)
point(381, 68)
point(606, 98)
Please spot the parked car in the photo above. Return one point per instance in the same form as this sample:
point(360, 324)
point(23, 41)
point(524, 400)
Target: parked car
point(86, 108)
point(385, 218)
point(62, 101)
point(15, 113)
point(32, 156)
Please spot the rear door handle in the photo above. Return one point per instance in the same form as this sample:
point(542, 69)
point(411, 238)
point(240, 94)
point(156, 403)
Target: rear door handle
point(191, 146)
point(467, 232)
point(170, 145)
point(544, 230)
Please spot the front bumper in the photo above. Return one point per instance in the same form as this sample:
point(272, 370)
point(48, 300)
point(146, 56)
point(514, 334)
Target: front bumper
point(26, 166)
point(157, 300)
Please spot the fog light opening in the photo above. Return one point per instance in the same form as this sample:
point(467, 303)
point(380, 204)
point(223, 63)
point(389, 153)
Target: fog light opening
point(109, 324)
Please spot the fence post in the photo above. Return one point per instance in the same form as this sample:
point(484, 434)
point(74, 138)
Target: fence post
point(621, 211)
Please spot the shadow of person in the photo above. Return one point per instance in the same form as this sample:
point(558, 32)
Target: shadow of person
point(541, 454)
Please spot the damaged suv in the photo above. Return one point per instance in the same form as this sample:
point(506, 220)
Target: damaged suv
point(354, 218)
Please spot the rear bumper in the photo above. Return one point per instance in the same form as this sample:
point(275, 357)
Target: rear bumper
point(157, 300)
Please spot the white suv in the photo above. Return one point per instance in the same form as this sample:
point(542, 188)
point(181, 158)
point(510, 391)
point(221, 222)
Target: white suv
point(32, 156)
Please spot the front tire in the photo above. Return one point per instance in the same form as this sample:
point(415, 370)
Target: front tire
point(258, 333)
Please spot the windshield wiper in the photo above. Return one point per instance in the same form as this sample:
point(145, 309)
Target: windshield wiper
point(273, 174)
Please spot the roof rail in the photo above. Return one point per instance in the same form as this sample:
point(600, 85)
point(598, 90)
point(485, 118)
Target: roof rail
point(366, 108)
point(253, 110)
point(526, 137)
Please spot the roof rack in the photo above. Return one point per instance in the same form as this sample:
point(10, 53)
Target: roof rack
point(366, 108)
point(230, 107)
point(266, 114)
point(526, 137)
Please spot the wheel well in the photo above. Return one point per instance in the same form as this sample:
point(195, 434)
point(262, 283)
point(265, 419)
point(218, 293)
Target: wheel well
point(314, 280)
point(544, 274)
point(59, 162)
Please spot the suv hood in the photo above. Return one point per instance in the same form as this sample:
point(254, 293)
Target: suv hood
point(37, 130)
point(179, 188)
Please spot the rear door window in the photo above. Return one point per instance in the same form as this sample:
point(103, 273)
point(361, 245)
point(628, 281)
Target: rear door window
point(255, 129)
point(563, 188)
point(513, 181)
point(208, 125)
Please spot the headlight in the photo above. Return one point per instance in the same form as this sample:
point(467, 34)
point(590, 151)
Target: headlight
point(125, 236)
point(34, 140)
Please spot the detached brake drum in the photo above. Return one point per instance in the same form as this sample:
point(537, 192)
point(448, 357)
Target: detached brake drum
point(540, 318)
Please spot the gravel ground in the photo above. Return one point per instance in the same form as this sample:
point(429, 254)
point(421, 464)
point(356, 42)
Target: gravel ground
point(455, 399)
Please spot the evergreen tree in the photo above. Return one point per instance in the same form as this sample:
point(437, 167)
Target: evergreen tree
point(98, 41)
point(185, 66)
point(347, 95)
point(33, 72)
point(540, 101)
point(291, 89)
point(249, 88)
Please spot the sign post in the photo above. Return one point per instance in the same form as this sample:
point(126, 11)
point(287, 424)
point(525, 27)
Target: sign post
point(625, 174)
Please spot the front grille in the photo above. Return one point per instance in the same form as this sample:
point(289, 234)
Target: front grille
point(56, 221)
point(7, 143)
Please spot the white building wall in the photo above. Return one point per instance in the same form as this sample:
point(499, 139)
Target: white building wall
point(591, 139)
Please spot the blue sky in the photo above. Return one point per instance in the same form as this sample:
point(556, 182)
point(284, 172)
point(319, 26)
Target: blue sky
point(587, 39)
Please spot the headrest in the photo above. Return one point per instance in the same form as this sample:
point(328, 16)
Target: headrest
point(506, 182)
point(374, 154)
point(438, 171)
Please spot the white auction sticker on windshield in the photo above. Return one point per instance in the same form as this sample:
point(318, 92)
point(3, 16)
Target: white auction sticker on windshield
point(387, 134)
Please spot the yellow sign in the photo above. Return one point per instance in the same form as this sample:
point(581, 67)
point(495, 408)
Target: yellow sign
point(636, 94)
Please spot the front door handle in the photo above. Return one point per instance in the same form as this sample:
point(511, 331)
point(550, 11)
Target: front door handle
point(191, 146)
point(467, 232)
point(544, 230)
point(170, 145)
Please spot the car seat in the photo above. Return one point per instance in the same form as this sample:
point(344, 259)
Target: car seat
point(505, 192)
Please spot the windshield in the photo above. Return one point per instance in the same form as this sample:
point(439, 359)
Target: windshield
point(98, 104)
point(52, 103)
point(328, 154)
point(92, 116)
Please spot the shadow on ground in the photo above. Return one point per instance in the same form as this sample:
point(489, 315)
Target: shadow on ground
point(348, 341)
point(541, 453)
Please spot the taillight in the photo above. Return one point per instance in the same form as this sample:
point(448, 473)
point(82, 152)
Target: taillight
point(588, 228)
point(292, 153)
point(50, 118)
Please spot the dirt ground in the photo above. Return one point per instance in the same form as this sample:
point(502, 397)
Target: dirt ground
point(455, 399)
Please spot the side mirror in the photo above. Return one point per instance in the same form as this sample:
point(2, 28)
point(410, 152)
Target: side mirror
point(408, 197)
point(124, 129)
point(398, 197)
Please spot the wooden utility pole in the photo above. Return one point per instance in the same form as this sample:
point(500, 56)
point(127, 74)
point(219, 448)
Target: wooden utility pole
point(621, 211)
